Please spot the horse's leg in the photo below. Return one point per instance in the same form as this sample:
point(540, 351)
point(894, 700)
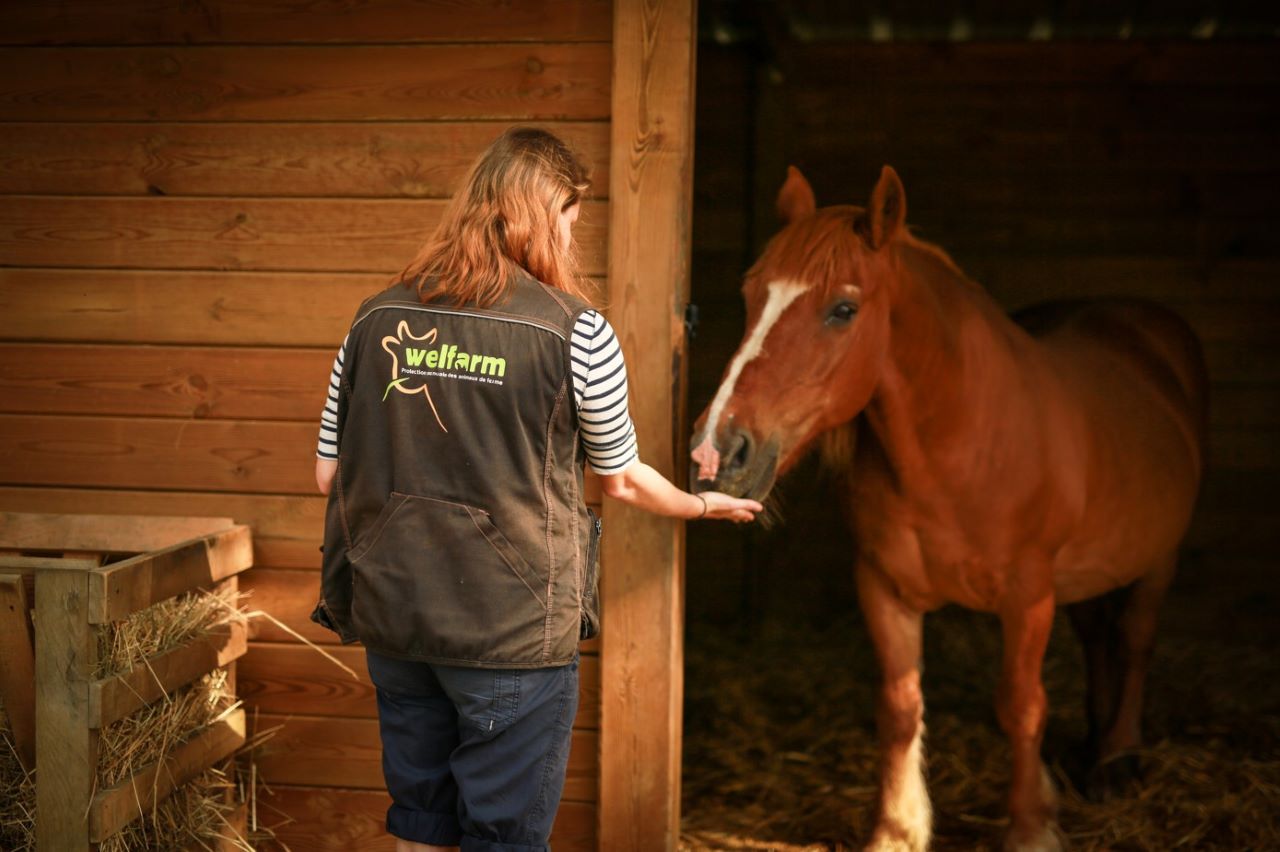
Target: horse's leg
point(1137, 625)
point(1096, 624)
point(1023, 709)
point(905, 820)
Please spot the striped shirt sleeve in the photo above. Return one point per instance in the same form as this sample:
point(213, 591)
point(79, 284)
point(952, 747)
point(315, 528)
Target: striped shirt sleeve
point(600, 389)
point(327, 447)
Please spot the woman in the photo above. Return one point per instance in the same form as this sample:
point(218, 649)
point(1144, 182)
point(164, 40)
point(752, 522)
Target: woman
point(463, 404)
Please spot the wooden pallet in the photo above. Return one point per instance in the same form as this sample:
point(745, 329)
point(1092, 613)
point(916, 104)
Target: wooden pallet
point(72, 574)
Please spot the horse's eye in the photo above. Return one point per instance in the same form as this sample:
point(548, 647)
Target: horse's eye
point(842, 313)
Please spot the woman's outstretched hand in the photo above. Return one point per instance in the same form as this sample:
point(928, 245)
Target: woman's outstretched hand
point(643, 487)
point(722, 507)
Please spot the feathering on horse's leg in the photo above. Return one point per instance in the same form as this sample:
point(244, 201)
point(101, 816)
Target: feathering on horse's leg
point(905, 818)
point(1023, 709)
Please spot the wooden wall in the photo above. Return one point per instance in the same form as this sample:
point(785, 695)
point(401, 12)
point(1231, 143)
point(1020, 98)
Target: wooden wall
point(195, 199)
point(1048, 170)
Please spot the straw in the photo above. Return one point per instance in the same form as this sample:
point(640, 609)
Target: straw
point(780, 739)
point(196, 814)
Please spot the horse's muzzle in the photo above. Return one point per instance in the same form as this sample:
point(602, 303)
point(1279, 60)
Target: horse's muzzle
point(746, 466)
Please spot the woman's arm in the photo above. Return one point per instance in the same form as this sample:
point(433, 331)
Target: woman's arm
point(325, 470)
point(643, 487)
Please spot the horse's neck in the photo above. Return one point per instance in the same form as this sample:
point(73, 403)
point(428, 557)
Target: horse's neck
point(951, 352)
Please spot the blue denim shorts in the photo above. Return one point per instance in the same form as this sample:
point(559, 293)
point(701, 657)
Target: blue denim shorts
point(474, 757)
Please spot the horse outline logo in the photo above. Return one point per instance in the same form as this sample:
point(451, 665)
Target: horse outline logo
point(404, 334)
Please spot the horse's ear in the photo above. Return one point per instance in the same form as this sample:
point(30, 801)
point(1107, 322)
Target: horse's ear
point(795, 199)
point(887, 211)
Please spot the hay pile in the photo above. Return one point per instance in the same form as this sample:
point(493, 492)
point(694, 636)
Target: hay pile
point(196, 814)
point(780, 743)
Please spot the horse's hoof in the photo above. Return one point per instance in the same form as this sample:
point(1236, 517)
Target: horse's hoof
point(1046, 838)
point(1112, 778)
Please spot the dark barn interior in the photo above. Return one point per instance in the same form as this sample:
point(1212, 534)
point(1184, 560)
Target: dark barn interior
point(1055, 150)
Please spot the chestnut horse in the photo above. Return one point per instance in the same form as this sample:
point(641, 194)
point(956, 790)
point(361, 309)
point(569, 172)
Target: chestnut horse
point(1004, 466)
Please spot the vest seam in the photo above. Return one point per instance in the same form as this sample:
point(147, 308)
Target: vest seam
point(550, 509)
point(577, 500)
point(492, 315)
point(342, 505)
point(555, 297)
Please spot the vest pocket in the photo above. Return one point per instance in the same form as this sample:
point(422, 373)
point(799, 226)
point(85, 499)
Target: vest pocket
point(438, 579)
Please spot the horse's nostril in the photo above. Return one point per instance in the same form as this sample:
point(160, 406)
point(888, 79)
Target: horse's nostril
point(739, 453)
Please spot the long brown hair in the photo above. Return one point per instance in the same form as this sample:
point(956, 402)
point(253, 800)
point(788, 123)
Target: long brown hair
point(503, 220)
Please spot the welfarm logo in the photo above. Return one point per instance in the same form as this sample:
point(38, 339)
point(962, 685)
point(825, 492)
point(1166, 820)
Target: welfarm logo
point(416, 357)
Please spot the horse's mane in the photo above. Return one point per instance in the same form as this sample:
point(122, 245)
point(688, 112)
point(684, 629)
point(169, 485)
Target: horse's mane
point(825, 248)
point(819, 249)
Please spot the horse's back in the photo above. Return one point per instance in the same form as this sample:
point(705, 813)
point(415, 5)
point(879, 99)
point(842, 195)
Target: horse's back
point(1157, 344)
point(1137, 373)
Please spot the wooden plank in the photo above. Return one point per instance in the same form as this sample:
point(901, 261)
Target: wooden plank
point(1233, 449)
point(114, 452)
point(1103, 62)
point(1025, 147)
point(292, 678)
point(1027, 233)
point(116, 697)
point(290, 596)
point(1213, 322)
point(287, 530)
point(353, 160)
point(147, 306)
point(290, 21)
point(29, 565)
point(1243, 362)
point(316, 235)
point(1118, 190)
point(118, 590)
point(320, 819)
point(526, 82)
point(100, 533)
point(164, 381)
point(1020, 279)
point(650, 210)
point(279, 677)
point(1046, 109)
point(150, 306)
point(117, 806)
point(64, 738)
point(340, 752)
point(18, 668)
point(1239, 406)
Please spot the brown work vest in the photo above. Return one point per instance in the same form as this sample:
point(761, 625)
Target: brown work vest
point(456, 530)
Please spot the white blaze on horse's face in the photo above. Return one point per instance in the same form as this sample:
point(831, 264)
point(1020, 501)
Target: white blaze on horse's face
point(781, 295)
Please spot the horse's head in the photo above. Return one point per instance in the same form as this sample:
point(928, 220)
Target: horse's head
point(817, 334)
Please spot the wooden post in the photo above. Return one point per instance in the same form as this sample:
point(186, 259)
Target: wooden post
point(64, 736)
point(642, 585)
